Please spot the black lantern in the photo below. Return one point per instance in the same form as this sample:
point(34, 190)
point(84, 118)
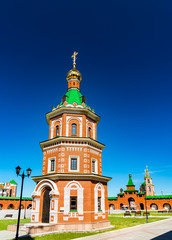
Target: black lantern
point(29, 171)
point(18, 170)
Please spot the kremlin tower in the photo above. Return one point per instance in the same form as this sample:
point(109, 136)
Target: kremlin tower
point(71, 193)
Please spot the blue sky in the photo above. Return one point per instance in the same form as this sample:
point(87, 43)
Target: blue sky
point(125, 57)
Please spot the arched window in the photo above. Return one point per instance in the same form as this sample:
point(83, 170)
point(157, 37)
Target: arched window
point(74, 129)
point(94, 166)
point(148, 181)
point(89, 132)
point(167, 206)
point(29, 206)
point(73, 198)
point(57, 130)
point(99, 198)
point(153, 206)
point(11, 206)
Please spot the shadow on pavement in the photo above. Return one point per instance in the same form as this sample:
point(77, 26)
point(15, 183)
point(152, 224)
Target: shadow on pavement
point(165, 236)
point(25, 237)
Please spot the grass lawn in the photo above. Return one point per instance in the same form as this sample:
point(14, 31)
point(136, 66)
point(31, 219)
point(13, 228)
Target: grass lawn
point(118, 222)
point(160, 214)
point(6, 222)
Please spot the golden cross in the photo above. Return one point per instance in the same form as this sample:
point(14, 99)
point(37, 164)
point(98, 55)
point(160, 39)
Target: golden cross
point(74, 58)
point(146, 169)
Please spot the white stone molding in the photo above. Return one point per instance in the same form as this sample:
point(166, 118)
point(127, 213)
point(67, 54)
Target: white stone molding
point(68, 119)
point(96, 165)
point(49, 164)
point(55, 210)
point(99, 187)
point(36, 203)
point(69, 164)
point(45, 183)
point(80, 201)
point(93, 128)
point(66, 200)
point(70, 105)
point(53, 124)
point(69, 144)
point(94, 132)
point(95, 200)
point(73, 185)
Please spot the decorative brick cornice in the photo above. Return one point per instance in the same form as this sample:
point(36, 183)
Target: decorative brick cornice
point(73, 140)
point(71, 176)
point(62, 110)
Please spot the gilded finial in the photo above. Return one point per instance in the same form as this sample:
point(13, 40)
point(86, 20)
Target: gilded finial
point(74, 58)
point(146, 171)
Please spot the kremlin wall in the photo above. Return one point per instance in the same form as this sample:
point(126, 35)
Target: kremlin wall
point(8, 199)
point(132, 199)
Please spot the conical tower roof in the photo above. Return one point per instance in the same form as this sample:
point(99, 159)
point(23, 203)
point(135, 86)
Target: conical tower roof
point(130, 181)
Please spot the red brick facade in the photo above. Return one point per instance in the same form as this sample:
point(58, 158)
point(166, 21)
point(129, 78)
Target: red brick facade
point(13, 203)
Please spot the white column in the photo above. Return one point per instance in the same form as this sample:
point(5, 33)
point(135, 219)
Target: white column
point(95, 200)
point(81, 128)
point(36, 211)
point(66, 200)
point(103, 201)
point(52, 127)
point(55, 211)
point(80, 201)
point(67, 129)
point(94, 135)
point(60, 129)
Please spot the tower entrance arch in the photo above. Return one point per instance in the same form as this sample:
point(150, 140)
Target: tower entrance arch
point(46, 206)
point(131, 202)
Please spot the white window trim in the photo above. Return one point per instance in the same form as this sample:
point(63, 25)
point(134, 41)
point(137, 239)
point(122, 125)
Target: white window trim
point(77, 186)
point(49, 164)
point(96, 166)
point(69, 164)
point(99, 187)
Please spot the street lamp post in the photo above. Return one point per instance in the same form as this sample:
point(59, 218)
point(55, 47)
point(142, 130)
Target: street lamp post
point(146, 210)
point(23, 176)
point(25, 208)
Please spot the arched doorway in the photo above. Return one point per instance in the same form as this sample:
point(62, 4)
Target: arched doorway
point(131, 202)
point(46, 206)
point(111, 207)
point(11, 206)
point(29, 206)
point(167, 206)
point(141, 206)
point(121, 206)
point(153, 206)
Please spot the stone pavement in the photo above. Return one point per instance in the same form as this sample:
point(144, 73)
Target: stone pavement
point(161, 230)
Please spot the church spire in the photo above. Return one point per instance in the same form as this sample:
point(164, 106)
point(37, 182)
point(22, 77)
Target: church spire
point(130, 181)
point(130, 185)
point(74, 77)
point(146, 172)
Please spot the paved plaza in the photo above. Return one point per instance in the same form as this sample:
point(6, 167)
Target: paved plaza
point(161, 230)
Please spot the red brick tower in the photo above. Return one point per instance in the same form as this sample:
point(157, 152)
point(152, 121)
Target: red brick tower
point(149, 187)
point(71, 193)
